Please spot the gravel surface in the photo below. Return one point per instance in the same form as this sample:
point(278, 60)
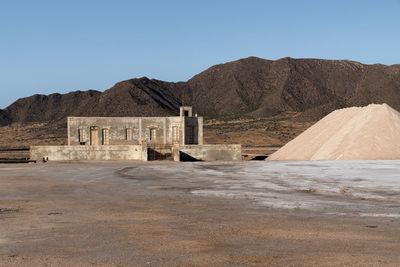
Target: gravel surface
point(168, 214)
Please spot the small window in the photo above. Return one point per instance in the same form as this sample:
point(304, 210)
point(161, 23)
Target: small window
point(186, 113)
point(82, 136)
point(128, 134)
point(106, 137)
point(152, 134)
point(175, 134)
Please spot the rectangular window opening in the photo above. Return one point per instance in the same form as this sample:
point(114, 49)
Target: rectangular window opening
point(82, 136)
point(106, 136)
point(152, 134)
point(128, 134)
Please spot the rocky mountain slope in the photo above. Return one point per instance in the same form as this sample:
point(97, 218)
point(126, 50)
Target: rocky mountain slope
point(250, 87)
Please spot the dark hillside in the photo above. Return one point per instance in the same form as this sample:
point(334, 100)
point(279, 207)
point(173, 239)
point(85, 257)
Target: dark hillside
point(250, 87)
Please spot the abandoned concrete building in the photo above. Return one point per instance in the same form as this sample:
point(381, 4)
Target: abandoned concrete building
point(136, 138)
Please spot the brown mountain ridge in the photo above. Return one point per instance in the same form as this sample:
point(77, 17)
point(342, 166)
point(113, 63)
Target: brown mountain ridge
point(250, 87)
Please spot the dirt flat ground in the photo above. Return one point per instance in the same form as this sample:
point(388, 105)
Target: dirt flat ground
point(146, 214)
point(259, 132)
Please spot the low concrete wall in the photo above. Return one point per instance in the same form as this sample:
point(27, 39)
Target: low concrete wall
point(209, 152)
point(66, 153)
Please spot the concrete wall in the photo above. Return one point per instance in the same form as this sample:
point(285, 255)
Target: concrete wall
point(135, 152)
point(208, 152)
point(67, 153)
point(140, 129)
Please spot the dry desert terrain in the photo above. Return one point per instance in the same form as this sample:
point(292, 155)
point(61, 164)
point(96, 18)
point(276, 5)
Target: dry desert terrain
point(199, 214)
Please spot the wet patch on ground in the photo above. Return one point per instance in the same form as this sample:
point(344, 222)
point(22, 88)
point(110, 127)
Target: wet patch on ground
point(9, 210)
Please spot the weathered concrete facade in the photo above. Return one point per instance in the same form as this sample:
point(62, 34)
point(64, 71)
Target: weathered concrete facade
point(208, 152)
point(136, 138)
point(76, 153)
point(93, 131)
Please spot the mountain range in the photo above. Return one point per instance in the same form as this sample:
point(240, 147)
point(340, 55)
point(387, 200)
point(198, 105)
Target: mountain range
point(250, 87)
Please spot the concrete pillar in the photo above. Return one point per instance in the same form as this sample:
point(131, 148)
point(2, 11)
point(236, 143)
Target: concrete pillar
point(183, 130)
point(200, 133)
point(165, 131)
point(144, 153)
point(175, 152)
point(140, 131)
point(69, 131)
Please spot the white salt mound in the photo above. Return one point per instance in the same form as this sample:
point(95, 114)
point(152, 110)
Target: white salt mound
point(356, 133)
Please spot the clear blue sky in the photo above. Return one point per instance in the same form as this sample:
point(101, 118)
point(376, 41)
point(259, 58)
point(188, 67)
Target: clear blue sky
point(49, 46)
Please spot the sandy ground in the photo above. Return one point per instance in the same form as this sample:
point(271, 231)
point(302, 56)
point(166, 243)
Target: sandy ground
point(167, 214)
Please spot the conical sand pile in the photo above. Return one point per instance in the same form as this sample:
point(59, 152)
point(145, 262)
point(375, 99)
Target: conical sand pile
point(356, 133)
